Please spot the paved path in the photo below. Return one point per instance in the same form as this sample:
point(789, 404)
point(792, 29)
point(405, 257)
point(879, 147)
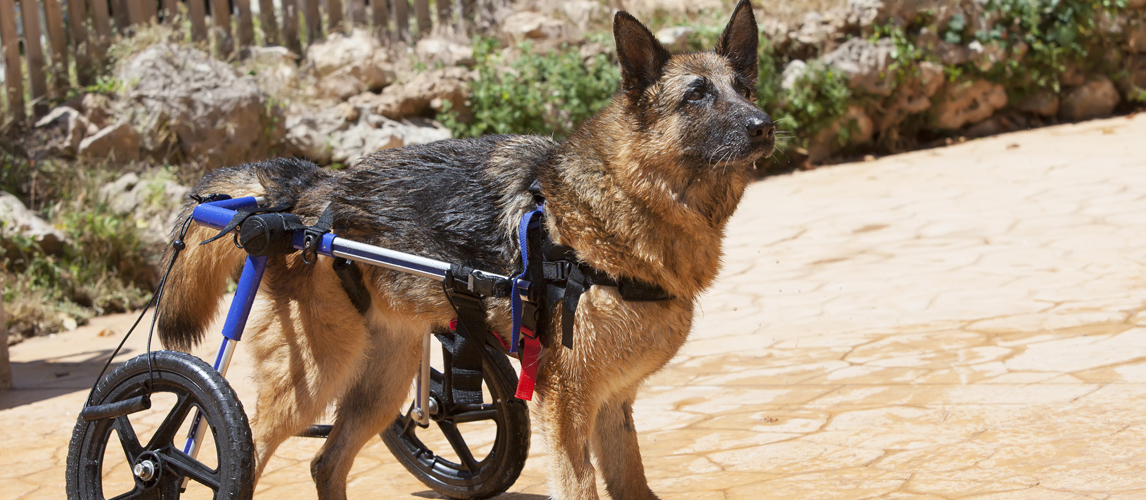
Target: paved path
point(956, 323)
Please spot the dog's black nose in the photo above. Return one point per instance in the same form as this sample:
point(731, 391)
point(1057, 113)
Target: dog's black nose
point(761, 128)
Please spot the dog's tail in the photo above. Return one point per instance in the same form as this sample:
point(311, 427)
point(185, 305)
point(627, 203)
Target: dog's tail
point(198, 279)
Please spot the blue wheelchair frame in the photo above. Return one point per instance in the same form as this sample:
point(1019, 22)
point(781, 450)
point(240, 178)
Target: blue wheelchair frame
point(217, 215)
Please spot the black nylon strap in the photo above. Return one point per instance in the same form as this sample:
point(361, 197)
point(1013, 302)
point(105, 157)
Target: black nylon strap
point(242, 215)
point(574, 287)
point(351, 277)
point(464, 356)
point(465, 347)
point(568, 278)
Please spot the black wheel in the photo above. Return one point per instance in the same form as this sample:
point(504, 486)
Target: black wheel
point(476, 469)
point(183, 383)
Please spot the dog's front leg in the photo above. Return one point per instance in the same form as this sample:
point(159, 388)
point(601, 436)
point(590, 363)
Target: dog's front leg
point(617, 451)
point(567, 416)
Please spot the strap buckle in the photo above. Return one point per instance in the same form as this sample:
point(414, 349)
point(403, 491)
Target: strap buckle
point(311, 241)
point(312, 235)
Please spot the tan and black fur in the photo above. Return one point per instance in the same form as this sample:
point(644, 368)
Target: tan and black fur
point(642, 190)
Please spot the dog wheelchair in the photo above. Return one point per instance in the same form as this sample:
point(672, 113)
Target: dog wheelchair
point(475, 383)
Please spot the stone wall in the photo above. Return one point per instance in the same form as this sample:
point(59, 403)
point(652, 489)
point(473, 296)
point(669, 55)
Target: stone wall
point(921, 72)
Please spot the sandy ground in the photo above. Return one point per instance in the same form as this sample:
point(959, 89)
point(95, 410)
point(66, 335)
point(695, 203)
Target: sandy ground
point(964, 322)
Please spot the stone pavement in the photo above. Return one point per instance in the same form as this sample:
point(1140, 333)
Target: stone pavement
point(966, 322)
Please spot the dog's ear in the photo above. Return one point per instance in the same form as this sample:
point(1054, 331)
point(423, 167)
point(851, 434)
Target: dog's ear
point(739, 42)
point(642, 57)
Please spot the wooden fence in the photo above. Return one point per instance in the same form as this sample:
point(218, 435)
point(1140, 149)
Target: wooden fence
point(78, 33)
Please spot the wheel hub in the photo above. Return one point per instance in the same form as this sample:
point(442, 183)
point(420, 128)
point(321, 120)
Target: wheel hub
point(145, 470)
point(148, 468)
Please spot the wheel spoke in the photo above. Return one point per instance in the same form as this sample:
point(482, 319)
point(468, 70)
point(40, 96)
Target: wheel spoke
point(127, 439)
point(489, 413)
point(184, 465)
point(165, 434)
point(139, 493)
point(459, 445)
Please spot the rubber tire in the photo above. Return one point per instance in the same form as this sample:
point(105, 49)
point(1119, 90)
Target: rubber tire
point(178, 373)
point(498, 470)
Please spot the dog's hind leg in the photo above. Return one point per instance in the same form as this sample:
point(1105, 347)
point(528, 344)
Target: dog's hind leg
point(369, 405)
point(617, 451)
point(307, 343)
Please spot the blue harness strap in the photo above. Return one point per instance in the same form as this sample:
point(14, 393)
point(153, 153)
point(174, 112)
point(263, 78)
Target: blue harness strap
point(531, 220)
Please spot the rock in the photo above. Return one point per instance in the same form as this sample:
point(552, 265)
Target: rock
point(913, 96)
point(1073, 76)
point(423, 131)
point(589, 51)
point(869, 13)
point(1134, 81)
point(1136, 4)
point(349, 112)
point(129, 194)
point(374, 133)
point(118, 193)
point(213, 113)
point(274, 68)
point(990, 126)
point(340, 50)
point(97, 110)
point(792, 73)
point(422, 96)
point(675, 38)
point(528, 25)
point(56, 134)
point(645, 9)
point(967, 102)
point(362, 139)
point(17, 220)
point(866, 64)
point(581, 12)
point(119, 142)
point(303, 139)
point(347, 65)
point(1095, 99)
point(987, 56)
point(951, 54)
point(816, 30)
point(309, 134)
point(327, 137)
point(355, 79)
point(859, 130)
point(1136, 37)
point(774, 29)
point(1040, 102)
point(446, 52)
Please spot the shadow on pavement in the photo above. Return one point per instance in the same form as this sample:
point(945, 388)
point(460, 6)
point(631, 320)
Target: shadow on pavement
point(42, 379)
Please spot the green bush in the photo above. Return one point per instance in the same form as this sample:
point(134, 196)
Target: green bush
point(819, 97)
point(539, 93)
point(1055, 34)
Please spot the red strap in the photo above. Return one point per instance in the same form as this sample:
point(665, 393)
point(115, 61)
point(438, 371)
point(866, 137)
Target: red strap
point(529, 361)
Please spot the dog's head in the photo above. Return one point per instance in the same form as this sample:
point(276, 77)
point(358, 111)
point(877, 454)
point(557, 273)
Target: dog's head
point(705, 101)
point(692, 119)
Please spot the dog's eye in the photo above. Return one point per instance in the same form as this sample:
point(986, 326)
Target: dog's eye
point(695, 94)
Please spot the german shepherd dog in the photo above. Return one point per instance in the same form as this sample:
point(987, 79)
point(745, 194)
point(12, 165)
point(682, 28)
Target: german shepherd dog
point(643, 190)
